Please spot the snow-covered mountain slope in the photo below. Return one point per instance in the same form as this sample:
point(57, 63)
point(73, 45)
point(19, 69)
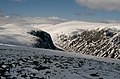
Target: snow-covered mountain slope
point(73, 27)
point(30, 63)
point(97, 39)
point(19, 34)
point(101, 43)
point(16, 33)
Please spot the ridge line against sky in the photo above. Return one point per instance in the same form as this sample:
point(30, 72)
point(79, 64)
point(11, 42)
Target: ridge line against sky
point(86, 10)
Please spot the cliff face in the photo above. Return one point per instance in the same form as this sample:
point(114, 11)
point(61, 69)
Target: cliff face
point(43, 39)
point(101, 43)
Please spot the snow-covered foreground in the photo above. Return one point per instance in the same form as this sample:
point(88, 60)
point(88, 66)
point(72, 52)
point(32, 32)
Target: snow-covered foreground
point(31, 63)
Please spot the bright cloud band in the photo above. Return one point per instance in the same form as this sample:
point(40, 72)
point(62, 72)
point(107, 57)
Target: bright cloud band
point(108, 5)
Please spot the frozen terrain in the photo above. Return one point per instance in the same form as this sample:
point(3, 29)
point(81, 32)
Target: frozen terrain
point(97, 39)
point(31, 63)
point(76, 27)
point(18, 60)
point(101, 43)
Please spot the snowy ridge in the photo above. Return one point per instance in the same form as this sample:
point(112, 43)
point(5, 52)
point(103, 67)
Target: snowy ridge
point(76, 26)
point(87, 38)
point(101, 43)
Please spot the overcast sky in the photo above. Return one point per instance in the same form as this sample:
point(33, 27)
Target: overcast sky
point(86, 10)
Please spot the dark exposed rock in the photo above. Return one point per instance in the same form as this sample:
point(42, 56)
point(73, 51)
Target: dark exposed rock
point(102, 43)
point(24, 75)
point(41, 68)
point(44, 39)
point(35, 62)
point(95, 75)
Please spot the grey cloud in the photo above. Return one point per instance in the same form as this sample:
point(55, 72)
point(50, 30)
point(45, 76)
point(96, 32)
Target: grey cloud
point(85, 14)
point(108, 5)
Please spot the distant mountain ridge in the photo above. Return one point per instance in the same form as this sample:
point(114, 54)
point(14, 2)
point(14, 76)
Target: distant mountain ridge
point(101, 43)
point(97, 39)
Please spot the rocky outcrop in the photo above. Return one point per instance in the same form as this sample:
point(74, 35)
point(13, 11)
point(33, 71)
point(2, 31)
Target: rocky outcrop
point(43, 39)
point(101, 43)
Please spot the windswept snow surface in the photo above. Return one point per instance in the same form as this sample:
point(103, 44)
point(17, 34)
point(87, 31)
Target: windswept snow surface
point(97, 39)
point(31, 63)
point(76, 27)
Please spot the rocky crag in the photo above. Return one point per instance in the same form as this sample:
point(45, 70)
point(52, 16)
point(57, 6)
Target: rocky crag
point(43, 39)
point(99, 42)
